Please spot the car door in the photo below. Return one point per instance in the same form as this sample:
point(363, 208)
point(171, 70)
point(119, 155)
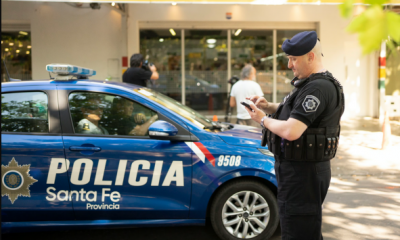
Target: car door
point(117, 175)
point(31, 143)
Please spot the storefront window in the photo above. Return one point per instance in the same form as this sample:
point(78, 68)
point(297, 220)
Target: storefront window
point(284, 74)
point(163, 49)
point(17, 49)
point(206, 70)
point(255, 47)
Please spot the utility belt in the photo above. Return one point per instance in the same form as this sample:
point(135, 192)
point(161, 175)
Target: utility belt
point(315, 144)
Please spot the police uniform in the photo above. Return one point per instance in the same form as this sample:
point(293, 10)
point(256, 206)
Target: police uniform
point(87, 127)
point(302, 166)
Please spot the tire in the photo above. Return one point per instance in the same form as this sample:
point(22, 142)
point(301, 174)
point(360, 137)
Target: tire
point(233, 195)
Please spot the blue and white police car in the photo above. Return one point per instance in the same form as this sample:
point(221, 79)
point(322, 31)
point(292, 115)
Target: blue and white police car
point(84, 153)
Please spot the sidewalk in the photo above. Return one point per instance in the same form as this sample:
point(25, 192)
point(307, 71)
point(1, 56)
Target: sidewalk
point(363, 200)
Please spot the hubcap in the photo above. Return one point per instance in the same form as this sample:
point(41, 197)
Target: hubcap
point(245, 214)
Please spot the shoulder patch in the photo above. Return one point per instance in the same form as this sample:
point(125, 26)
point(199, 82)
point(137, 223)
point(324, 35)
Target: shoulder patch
point(310, 103)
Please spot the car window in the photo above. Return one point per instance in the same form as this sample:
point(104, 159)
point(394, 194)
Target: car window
point(105, 114)
point(24, 112)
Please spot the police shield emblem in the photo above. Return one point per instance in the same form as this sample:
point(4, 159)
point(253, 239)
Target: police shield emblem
point(311, 103)
point(15, 180)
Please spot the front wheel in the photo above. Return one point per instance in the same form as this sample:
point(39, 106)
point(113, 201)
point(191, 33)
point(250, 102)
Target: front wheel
point(244, 209)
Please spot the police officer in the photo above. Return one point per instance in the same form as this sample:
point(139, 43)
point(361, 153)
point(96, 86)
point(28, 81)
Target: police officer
point(303, 134)
point(92, 111)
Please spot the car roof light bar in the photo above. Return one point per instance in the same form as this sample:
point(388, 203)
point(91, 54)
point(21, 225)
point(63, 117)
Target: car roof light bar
point(68, 71)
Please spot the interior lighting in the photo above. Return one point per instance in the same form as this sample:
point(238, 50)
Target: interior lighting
point(174, 3)
point(23, 33)
point(113, 4)
point(6, 49)
point(11, 44)
point(1, 42)
point(211, 45)
point(17, 51)
point(211, 41)
point(29, 46)
point(20, 45)
point(161, 39)
point(27, 52)
point(238, 32)
point(173, 33)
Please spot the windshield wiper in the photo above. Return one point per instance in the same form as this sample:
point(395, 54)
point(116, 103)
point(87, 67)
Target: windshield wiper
point(219, 126)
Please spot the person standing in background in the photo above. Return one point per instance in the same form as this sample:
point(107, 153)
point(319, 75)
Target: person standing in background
point(245, 87)
point(136, 74)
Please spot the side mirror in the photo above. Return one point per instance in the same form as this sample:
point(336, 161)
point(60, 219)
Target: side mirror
point(162, 130)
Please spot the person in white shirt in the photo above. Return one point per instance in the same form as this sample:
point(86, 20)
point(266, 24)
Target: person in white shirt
point(244, 88)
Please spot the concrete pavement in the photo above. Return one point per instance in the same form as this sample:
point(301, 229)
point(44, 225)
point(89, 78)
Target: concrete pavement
point(363, 201)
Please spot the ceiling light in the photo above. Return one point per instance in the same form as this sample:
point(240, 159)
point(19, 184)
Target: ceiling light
point(161, 39)
point(6, 49)
point(211, 45)
point(238, 32)
point(211, 41)
point(1, 42)
point(23, 33)
point(29, 46)
point(113, 4)
point(20, 45)
point(27, 52)
point(17, 51)
point(173, 33)
point(11, 44)
point(174, 3)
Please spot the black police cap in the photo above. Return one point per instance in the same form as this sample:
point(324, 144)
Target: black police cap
point(300, 43)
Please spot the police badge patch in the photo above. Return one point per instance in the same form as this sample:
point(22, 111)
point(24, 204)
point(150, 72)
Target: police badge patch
point(15, 180)
point(310, 103)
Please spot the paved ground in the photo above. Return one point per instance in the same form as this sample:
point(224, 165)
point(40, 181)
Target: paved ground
point(363, 201)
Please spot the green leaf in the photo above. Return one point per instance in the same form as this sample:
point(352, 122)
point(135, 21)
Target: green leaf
point(393, 25)
point(346, 8)
point(375, 2)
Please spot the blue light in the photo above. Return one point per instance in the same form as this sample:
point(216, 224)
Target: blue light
point(69, 70)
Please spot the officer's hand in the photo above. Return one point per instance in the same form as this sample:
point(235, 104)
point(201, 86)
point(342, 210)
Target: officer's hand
point(260, 102)
point(257, 115)
point(153, 68)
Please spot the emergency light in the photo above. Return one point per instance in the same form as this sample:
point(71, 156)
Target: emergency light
point(67, 71)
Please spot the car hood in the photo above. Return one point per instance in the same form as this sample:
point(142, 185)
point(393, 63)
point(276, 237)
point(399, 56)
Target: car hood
point(242, 135)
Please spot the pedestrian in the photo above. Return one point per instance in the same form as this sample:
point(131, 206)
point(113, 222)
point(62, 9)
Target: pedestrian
point(136, 74)
point(245, 87)
point(303, 134)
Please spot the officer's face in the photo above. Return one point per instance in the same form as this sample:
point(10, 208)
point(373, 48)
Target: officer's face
point(128, 108)
point(298, 64)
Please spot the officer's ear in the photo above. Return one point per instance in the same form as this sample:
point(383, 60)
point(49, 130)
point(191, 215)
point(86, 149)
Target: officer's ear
point(310, 57)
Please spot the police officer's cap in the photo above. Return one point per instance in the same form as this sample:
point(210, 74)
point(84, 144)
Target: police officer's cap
point(300, 43)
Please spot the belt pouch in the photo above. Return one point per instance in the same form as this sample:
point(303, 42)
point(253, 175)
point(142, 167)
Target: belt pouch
point(269, 140)
point(328, 146)
point(275, 143)
point(297, 148)
point(288, 149)
point(310, 147)
point(264, 139)
point(320, 142)
point(334, 145)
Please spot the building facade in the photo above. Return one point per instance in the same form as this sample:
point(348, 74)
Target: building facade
point(196, 47)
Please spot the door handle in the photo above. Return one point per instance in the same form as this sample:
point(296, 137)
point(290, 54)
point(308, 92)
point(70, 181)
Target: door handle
point(78, 148)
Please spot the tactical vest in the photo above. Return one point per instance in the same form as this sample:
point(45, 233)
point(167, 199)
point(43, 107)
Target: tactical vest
point(316, 143)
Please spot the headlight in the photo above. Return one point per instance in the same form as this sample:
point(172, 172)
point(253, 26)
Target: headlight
point(265, 152)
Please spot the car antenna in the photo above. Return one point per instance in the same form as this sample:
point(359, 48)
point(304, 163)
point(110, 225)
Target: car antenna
point(8, 75)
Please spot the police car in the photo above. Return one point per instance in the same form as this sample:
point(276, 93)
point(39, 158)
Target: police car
point(79, 153)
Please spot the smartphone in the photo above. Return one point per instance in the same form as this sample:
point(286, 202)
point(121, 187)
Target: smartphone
point(247, 105)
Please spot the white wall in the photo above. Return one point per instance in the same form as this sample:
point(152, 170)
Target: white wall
point(339, 48)
point(61, 33)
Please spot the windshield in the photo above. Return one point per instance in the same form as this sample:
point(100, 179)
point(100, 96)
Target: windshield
point(177, 107)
